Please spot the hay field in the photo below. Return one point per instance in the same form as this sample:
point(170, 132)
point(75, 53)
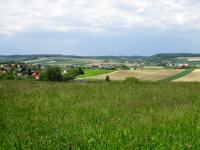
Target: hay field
point(147, 74)
point(192, 77)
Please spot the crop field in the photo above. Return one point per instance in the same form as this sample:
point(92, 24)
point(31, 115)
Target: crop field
point(99, 115)
point(156, 74)
point(94, 72)
point(146, 74)
point(192, 77)
point(188, 60)
point(178, 75)
point(117, 75)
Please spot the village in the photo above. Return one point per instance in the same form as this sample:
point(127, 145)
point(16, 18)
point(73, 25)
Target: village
point(21, 71)
point(17, 71)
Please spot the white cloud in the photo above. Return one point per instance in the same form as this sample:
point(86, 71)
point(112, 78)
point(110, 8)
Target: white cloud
point(97, 15)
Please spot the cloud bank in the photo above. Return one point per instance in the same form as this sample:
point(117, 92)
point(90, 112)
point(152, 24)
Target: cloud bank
point(97, 16)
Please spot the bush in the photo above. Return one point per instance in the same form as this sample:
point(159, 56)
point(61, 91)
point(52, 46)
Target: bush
point(80, 71)
point(54, 74)
point(107, 78)
point(8, 76)
point(43, 76)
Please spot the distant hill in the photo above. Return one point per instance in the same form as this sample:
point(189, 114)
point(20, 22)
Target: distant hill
point(174, 55)
point(31, 56)
point(157, 58)
point(160, 55)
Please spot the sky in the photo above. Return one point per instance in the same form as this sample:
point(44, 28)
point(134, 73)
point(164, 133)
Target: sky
point(99, 27)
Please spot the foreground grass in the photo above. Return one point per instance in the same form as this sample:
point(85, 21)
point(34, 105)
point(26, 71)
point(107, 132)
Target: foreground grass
point(179, 75)
point(94, 72)
point(99, 115)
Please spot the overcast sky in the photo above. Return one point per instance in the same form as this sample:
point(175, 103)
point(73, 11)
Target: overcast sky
point(99, 27)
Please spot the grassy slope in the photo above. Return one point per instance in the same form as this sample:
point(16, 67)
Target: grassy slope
point(179, 75)
point(99, 115)
point(94, 72)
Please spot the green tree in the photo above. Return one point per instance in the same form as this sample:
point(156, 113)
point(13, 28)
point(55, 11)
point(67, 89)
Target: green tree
point(54, 74)
point(71, 74)
point(80, 71)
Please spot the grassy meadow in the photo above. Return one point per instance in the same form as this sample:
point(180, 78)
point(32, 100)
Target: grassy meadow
point(94, 72)
point(99, 115)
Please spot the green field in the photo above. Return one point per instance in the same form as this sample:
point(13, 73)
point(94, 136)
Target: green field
point(99, 115)
point(94, 72)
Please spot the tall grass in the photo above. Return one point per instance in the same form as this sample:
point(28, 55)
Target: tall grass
point(99, 115)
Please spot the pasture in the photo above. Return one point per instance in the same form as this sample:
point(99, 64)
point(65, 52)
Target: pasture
point(94, 72)
point(146, 74)
point(99, 115)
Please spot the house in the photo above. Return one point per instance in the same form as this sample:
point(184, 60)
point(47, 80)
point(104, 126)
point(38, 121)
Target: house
point(183, 66)
point(36, 75)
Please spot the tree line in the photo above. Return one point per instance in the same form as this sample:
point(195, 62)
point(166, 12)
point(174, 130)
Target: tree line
point(55, 74)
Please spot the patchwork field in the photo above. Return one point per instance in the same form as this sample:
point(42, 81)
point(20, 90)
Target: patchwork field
point(146, 74)
point(61, 61)
point(192, 77)
point(99, 115)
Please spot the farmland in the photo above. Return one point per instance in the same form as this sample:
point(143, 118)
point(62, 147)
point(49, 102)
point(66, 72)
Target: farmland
point(59, 61)
point(94, 72)
point(99, 115)
point(155, 74)
point(178, 75)
point(146, 74)
point(192, 77)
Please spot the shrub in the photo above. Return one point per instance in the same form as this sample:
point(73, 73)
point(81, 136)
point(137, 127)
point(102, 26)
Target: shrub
point(107, 78)
point(43, 76)
point(80, 71)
